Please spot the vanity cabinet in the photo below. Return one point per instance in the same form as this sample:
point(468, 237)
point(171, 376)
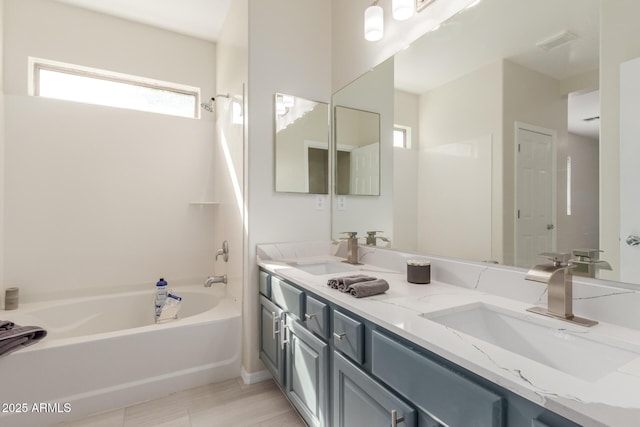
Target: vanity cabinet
point(339, 369)
point(358, 400)
point(297, 359)
point(270, 352)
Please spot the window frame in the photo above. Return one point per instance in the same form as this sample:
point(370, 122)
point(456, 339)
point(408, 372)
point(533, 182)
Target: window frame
point(406, 130)
point(38, 64)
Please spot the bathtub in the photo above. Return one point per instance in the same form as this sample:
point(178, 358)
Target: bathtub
point(105, 352)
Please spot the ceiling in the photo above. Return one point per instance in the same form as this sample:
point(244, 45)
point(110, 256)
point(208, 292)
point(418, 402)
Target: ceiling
point(510, 29)
point(196, 18)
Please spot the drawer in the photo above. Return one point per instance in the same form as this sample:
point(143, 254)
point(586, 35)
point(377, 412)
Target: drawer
point(348, 336)
point(317, 317)
point(264, 284)
point(433, 388)
point(289, 298)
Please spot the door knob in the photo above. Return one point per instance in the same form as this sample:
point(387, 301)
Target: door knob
point(550, 226)
point(633, 240)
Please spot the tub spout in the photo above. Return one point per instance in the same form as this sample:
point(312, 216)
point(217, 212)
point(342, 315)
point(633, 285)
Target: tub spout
point(215, 279)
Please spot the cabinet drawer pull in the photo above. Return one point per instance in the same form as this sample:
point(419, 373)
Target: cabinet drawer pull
point(284, 336)
point(339, 336)
point(274, 318)
point(394, 418)
point(309, 316)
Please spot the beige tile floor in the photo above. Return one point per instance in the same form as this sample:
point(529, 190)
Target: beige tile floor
point(230, 403)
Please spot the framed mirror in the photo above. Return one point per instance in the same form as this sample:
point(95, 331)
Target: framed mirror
point(357, 138)
point(498, 82)
point(301, 145)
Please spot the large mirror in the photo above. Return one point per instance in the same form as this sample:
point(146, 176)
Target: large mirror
point(357, 139)
point(502, 158)
point(301, 145)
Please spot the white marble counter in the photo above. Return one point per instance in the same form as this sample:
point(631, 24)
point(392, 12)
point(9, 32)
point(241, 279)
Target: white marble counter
point(612, 399)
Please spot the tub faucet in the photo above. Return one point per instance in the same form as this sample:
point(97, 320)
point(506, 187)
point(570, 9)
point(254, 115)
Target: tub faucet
point(215, 279)
point(557, 276)
point(352, 247)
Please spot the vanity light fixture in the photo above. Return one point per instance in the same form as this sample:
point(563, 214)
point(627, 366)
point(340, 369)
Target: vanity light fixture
point(373, 22)
point(402, 9)
point(374, 17)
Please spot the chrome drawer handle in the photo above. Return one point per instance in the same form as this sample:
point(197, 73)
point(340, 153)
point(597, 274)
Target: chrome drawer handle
point(284, 328)
point(339, 336)
point(308, 316)
point(275, 329)
point(394, 418)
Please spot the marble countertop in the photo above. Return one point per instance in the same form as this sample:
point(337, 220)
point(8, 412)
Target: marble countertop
point(612, 399)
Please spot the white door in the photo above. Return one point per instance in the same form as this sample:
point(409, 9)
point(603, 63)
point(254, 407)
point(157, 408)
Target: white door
point(629, 171)
point(365, 170)
point(535, 181)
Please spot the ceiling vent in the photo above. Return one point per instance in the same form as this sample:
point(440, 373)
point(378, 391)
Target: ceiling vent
point(557, 40)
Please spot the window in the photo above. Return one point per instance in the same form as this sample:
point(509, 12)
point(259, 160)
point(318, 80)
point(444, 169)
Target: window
point(93, 86)
point(401, 136)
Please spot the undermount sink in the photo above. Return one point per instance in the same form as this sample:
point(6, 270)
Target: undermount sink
point(325, 267)
point(543, 341)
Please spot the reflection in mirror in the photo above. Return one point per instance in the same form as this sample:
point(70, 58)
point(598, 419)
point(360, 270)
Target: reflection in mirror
point(301, 145)
point(502, 103)
point(357, 137)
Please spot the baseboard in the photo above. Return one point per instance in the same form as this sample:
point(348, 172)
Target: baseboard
point(254, 377)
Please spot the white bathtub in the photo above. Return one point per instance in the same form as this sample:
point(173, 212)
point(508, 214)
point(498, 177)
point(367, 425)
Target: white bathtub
point(106, 352)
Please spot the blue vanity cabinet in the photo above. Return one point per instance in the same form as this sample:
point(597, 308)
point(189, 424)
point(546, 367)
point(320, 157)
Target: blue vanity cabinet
point(341, 370)
point(271, 352)
point(358, 400)
point(307, 365)
point(317, 317)
point(295, 356)
point(436, 390)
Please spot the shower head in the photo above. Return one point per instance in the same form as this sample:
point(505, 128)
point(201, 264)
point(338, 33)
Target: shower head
point(209, 105)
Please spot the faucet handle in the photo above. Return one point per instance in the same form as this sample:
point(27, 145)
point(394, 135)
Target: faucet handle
point(558, 258)
point(591, 254)
point(352, 234)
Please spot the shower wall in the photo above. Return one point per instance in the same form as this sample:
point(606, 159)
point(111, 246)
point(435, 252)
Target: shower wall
point(99, 197)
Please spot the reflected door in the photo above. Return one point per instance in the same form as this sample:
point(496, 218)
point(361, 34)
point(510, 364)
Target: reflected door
point(629, 171)
point(534, 221)
point(365, 170)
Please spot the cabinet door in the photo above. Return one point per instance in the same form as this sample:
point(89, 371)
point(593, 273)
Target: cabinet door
point(360, 401)
point(270, 352)
point(307, 374)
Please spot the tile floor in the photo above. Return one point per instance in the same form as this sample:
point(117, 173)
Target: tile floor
point(230, 403)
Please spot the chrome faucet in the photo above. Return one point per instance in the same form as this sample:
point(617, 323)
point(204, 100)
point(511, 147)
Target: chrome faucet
point(215, 279)
point(371, 239)
point(352, 248)
point(557, 276)
point(587, 262)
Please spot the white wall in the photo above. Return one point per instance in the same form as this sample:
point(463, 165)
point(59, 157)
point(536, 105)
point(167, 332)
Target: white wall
point(289, 52)
point(405, 174)
point(371, 92)
point(466, 111)
point(619, 42)
point(96, 196)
